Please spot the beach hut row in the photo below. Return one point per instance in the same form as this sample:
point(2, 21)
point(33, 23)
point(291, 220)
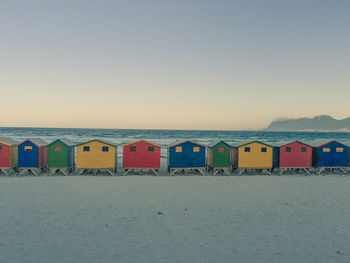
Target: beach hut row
point(95, 156)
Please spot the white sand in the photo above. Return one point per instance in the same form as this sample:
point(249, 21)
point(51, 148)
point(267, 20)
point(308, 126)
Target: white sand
point(175, 219)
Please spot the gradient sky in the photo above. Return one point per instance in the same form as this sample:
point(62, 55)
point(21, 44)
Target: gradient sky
point(181, 64)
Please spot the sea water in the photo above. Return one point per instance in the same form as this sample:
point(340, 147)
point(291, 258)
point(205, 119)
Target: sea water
point(166, 137)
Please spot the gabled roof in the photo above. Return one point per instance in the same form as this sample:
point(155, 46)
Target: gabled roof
point(37, 141)
point(8, 141)
point(244, 143)
point(181, 142)
point(148, 142)
point(212, 145)
point(321, 143)
point(98, 140)
point(64, 140)
point(284, 143)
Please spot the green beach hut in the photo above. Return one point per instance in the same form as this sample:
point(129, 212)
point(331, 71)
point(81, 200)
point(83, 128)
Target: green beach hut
point(219, 157)
point(60, 156)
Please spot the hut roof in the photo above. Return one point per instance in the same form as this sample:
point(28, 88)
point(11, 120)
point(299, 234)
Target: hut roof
point(213, 144)
point(244, 143)
point(98, 140)
point(323, 142)
point(284, 143)
point(64, 140)
point(8, 141)
point(181, 142)
point(142, 141)
point(37, 141)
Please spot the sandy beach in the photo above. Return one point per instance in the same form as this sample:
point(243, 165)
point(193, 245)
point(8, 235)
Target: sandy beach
point(175, 219)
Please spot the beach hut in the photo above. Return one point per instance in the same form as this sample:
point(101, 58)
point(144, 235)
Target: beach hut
point(8, 155)
point(60, 156)
point(295, 156)
point(141, 155)
point(32, 156)
point(331, 155)
point(255, 155)
point(220, 157)
point(186, 155)
point(96, 155)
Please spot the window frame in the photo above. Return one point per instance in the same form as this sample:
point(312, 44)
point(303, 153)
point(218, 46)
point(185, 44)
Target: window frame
point(132, 148)
point(150, 149)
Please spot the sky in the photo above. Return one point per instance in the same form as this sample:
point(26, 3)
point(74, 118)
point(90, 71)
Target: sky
point(180, 64)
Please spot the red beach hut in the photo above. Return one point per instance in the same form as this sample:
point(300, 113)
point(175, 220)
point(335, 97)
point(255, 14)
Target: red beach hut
point(141, 155)
point(8, 155)
point(295, 155)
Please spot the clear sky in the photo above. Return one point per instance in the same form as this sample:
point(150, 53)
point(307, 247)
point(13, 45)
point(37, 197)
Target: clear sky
point(180, 64)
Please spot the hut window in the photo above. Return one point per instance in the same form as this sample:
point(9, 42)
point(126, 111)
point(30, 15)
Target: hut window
point(0, 147)
point(221, 149)
point(105, 148)
point(340, 150)
point(195, 149)
point(58, 148)
point(326, 150)
point(150, 148)
point(247, 149)
point(28, 148)
point(86, 149)
point(178, 149)
point(263, 149)
point(303, 149)
point(132, 148)
point(288, 149)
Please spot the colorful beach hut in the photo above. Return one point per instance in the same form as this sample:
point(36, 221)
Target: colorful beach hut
point(295, 156)
point(141, 155)
point(331, 155)
point(220, 157)
point(96, 155)
point(186, 155)
point(60, 156)
point(255, 155)
point(32, 156)
point(8, 155)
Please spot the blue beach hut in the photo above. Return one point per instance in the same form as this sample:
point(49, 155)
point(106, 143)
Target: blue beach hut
point(332, 154)
point(32, 155)
point(186, 155)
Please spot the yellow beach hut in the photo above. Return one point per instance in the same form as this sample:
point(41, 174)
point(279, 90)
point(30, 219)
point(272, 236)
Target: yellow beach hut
point(255, 155)
point(96, 155)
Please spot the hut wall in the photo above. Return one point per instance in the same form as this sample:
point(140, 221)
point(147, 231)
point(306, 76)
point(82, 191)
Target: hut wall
point(296, 158)
point(188, 158)
point(210, 157)
point(332, 157)
point(29, 158)
point(141, 158)
point(276, 156)
point(234, 157)
point(221, 159)
point(255, 158)
point(96, 158)
point(59, 159)
point(13, 156)
point(42, 157)
point(5, 156)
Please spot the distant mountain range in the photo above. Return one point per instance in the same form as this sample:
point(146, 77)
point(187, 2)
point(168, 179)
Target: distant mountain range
point(318, 123)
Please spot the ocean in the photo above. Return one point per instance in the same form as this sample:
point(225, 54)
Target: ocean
point(166, 137)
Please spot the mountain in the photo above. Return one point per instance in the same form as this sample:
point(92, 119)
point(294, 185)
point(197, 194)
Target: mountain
point(318, 123)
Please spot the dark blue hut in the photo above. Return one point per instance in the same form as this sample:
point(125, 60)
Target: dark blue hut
point(32, 153)
point(186, 155)
point(332, 154)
